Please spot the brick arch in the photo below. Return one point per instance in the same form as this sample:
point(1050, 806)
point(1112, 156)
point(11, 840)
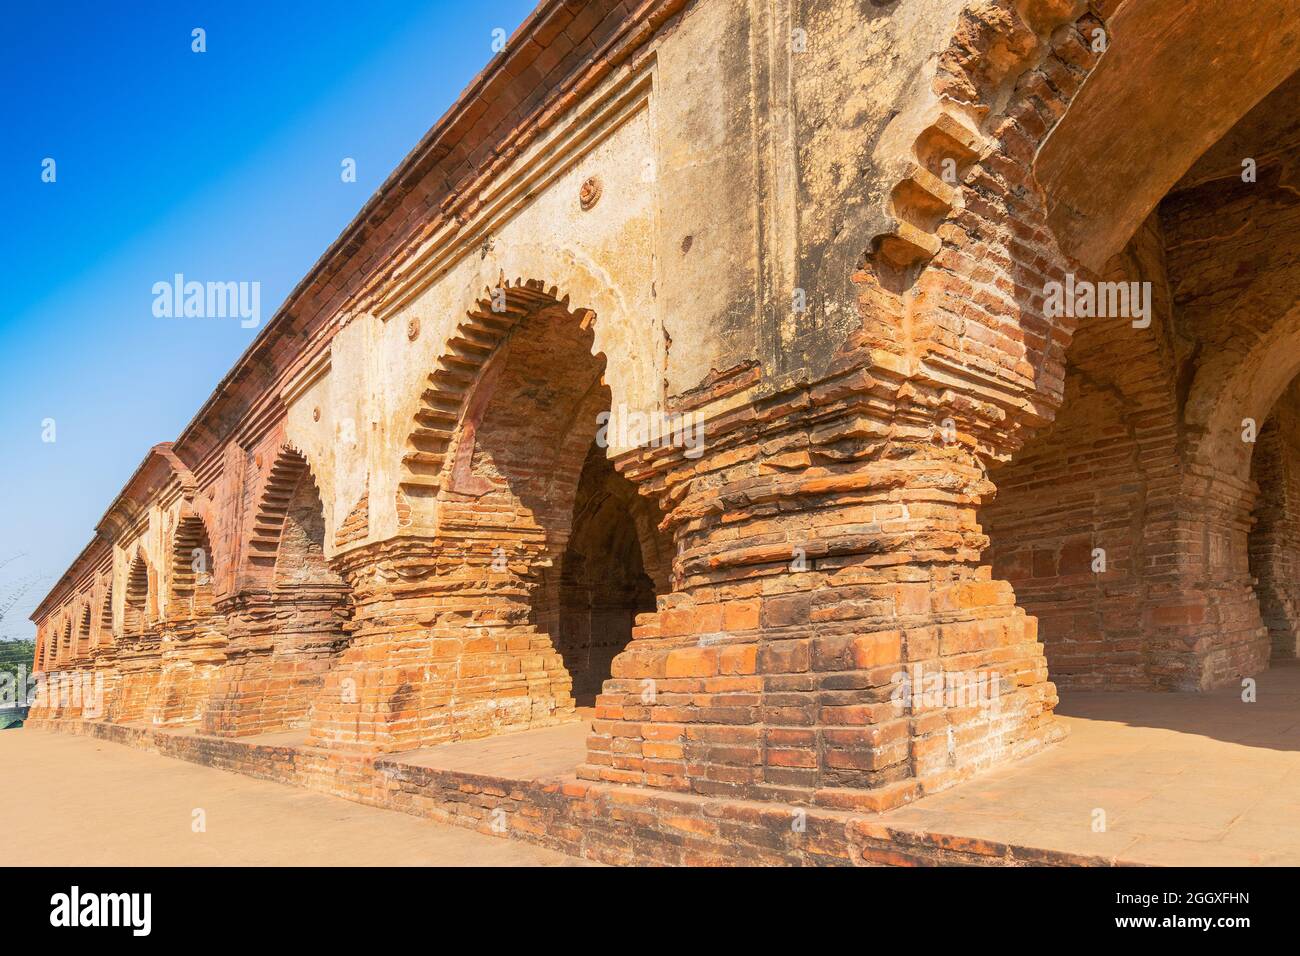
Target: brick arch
point(502, 432)
point(1231, 387)
point(191, 589)
point(287, 471)
point(1173, 81)
point(106, 615)
point(136, 605)
point(445, 404)
point(65, 639)
point(286, 631)
point(45, 641)
point(85, 620)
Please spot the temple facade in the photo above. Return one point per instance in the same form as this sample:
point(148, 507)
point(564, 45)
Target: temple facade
point(800, 392)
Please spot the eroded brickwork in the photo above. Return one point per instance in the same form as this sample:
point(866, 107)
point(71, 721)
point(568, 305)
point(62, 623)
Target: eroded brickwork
point(417, 526)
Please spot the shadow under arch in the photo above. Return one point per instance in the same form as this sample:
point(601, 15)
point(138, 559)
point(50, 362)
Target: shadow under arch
point(530, 457)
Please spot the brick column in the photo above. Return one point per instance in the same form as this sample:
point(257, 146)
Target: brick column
point(1203, 617)
point(441, 649)
point(138, 667)
point(832, 637)
point(191, 654)
point(282, 642)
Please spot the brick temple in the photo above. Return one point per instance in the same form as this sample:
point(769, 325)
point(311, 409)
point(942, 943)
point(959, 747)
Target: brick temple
point(709, 378)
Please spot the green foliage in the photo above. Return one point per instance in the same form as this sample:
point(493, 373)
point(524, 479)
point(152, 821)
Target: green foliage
point(17, 654)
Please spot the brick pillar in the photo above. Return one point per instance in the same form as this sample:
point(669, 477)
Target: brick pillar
point(441, 649)
point(283, 641)
point(1203, 618)
point(191, 655)
point(138, 667)
point(828, 574)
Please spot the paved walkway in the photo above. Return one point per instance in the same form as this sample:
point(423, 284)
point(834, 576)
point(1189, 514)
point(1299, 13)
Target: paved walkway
point(1183, 779)
point(76, 801)
point(1194, 779)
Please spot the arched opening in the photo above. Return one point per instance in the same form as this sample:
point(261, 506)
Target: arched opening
point(300, 554)
point(192, 567)
point(135, 608)
point(82, 647)
point(286, 633)
point(531, 476)
point(1125, 527)
point(65, 646)
point(106, 617)
point(604, 583)
point(468, 613)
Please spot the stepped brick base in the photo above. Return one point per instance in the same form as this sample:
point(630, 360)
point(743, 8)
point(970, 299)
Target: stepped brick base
point(612, 824)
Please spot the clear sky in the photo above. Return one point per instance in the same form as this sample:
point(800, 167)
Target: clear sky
point(224, 166)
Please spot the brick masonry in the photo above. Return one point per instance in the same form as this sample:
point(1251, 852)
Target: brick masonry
point(412, 533)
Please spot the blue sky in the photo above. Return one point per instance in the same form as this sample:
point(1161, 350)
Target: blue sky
point(223, 165)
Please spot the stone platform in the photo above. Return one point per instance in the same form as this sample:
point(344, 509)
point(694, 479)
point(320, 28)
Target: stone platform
point(1192, 779)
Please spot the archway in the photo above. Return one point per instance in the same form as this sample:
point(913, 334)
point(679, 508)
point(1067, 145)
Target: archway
point(1126, 527)
point(191, 633)
point(604, 578)
point(105, 638)
point(82, 647)
point(532, 476)
point(135, 608)
point(465, 610)
point(192, 570)
point(287, 631)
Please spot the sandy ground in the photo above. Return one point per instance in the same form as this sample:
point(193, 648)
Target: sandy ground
point(75, 801)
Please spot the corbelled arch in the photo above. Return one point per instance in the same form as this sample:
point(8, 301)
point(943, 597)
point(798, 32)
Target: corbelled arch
point(444, 424)
point(192, 569)
point(445, 400)
point(65, 640)
point(545, 277)
point(85, 620)
point(286, 627)
point(136, 605)
point(496, 452)
point(106, 635)
point(531, 421)
point(281, 482)
point(1234, 391)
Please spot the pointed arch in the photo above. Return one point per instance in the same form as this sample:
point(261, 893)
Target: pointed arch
point(106, 616)
point(288, 537)
point(192, 570)
point(273, 507)
point(65, 644)
point(445, 402)
point(137, 595)
point(84, 618)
